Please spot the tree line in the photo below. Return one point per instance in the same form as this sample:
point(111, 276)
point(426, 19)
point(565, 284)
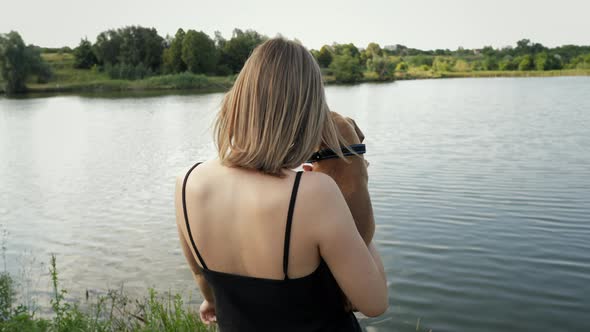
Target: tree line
point(136, 52)
point(348, 63)
point(18, 61)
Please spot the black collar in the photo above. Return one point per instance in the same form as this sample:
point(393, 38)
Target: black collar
point(329, 153)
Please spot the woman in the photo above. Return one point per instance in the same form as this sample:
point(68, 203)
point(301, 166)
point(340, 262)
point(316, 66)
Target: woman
point(272, 249)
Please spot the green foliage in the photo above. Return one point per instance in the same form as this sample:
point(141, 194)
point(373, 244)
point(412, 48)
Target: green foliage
point(346, 49)
point(66, 315)
point(526, 47)
point(15, 318)
point(402, 66)
point(7, 295)
point(128, 59)
point(383, 66)
point(507, 63)
point(141, 45)
point(526, 63)
point(18, 62)
point(58, 50)
point(461, 66)
point(186, 81)
point(236, 51)
point(13, 63)
point(107, 47)
point(172, 56)
point(325, 57)
point(84, 56)
point(132, 45)
point(127, 71)
point(581, 62)
point(488, 51)
point(442, 64)
point(113, 312)
point(346, 68)
point(198, 52)
point(420, 60)
point(490, 63)
point(372, 50)
point(545, 61)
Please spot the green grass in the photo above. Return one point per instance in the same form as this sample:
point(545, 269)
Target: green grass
point(112, 312)
point(418, 73)
point(184, 81)
point(67, 79)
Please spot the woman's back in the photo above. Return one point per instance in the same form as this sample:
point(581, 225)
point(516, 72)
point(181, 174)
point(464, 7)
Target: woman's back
point(238, 218)
point(233, 227)
point(257, 253)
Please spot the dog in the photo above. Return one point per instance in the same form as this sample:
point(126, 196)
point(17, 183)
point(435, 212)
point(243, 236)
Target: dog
point(351, 176)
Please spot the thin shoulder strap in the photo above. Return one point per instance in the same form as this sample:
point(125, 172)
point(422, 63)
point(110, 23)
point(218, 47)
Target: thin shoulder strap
point(188, 229)
point(289, 222)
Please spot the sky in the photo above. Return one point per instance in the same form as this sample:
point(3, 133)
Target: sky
point(424, 24)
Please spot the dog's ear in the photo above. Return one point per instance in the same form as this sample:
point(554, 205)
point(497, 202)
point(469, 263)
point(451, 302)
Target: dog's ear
point(358, 131)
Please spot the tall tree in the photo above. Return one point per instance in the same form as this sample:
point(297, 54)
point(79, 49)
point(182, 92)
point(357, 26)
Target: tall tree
point(526, 63)
point(18, 61)
point(172, 57)
point(325, 56)
point(372, 50)
point(346, 68)
point(198, 52)
point(13, 63)
point(141, 45)
point(239, 47)
point(343, 49)
point(132, 45)
point(108, 47)
point(382, 65)
point(84, 57)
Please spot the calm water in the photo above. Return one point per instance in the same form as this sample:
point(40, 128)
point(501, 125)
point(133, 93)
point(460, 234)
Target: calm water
point(481, 189)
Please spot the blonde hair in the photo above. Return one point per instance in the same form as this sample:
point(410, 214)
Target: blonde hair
point(275, 115)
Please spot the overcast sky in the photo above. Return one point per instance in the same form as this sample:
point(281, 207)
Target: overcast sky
point(425, 24)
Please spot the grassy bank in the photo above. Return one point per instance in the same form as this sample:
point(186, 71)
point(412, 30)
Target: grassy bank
point(185, 81)
point(67, 79)
point(113, 311)
point(415, 73)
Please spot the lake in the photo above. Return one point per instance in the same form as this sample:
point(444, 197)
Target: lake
point(481, 192)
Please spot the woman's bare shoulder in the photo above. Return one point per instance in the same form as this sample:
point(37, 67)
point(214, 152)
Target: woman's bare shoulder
point(318, 183)
point(202, 168)
point(320, 194)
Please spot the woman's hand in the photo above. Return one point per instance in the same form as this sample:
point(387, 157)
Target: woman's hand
point(207, 312)
point(308, 167)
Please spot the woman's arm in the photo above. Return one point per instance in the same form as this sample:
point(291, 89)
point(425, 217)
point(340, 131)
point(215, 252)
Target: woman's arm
point(378, 261)
point(199, 278)
point(188, 254)
point(357, 268)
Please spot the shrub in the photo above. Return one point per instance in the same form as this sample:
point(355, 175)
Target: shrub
point(402, 66)
point(346, 68)
point(526, 63)
point(382, 66)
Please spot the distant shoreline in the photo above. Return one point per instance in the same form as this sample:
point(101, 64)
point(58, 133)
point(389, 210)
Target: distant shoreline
point(191, 83)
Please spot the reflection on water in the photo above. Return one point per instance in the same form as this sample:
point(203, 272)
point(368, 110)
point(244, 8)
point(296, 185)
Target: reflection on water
point(481, 190)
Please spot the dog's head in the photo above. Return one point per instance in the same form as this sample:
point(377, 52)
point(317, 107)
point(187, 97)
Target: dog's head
point(347, 128)
point(357, 130)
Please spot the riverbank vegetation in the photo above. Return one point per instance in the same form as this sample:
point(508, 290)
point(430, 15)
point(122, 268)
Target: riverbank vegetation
point(138, 58)
point(112, 311)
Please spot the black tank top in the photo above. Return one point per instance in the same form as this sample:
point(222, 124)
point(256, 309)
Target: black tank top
point(243, 303)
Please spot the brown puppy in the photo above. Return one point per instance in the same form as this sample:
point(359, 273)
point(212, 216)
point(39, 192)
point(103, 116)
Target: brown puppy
point(351, 177)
